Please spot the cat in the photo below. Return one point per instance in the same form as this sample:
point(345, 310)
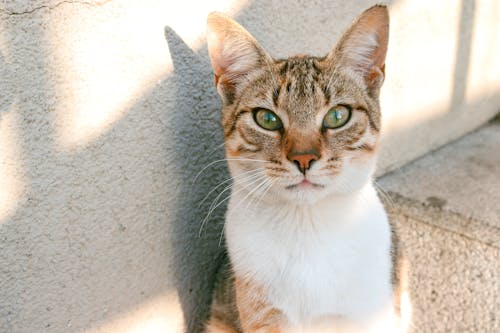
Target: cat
point(309, 245)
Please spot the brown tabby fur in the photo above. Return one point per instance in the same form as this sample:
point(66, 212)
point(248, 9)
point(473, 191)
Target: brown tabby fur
point(299, 89)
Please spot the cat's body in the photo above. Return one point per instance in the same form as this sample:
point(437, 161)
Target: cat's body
point(334, 260)
point(309, 245)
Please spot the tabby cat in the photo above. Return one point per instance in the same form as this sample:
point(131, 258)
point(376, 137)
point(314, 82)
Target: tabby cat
point(309, 245)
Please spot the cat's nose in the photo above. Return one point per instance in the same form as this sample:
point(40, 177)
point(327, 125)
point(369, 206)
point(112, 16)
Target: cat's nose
point(303, 160)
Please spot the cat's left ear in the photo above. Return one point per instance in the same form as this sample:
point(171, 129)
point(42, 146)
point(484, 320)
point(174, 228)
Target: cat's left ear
point(363, 46)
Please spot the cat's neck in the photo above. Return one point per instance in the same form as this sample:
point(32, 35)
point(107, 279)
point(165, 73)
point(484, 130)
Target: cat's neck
point(270, 211)
point(284, 234)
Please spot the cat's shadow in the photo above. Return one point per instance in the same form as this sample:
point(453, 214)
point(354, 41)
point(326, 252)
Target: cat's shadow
point(198, 140)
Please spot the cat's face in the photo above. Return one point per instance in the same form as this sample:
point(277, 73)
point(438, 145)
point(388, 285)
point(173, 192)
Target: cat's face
point(303, 127)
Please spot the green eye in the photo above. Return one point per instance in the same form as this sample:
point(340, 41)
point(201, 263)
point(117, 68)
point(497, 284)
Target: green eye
point(337, 117)
point(267, 120)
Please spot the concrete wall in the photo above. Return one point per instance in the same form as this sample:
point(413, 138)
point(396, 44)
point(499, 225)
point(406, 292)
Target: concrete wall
point(107, 113)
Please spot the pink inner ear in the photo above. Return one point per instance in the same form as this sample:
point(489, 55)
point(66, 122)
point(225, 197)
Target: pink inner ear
point(215, 47)
point(230, 57)
point(380, 52)
point(367, 48)
point(233, 51)
point(364, 45)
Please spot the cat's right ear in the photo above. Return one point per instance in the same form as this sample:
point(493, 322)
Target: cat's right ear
point(233, 51)
point(363, 47)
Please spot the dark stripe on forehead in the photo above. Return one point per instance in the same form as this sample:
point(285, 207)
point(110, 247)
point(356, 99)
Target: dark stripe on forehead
point(315, 66)
point(326, 94)
point(316, 72)
point(284, 68)
point(276, 95)
point(290, 65)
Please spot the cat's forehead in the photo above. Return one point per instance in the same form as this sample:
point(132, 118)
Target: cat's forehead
point(300, 65)
point(301, 86)
point(302, 89)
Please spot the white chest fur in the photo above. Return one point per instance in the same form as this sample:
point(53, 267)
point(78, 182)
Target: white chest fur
point(327, 260)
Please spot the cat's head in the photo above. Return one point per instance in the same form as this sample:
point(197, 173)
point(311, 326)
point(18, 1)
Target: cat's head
point(303, 127)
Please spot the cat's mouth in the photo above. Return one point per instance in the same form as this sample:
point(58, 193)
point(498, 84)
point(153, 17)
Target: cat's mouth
point(304, 184)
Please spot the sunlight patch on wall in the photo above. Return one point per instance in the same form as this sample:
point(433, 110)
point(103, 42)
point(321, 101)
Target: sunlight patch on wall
point(406, 311)
point(421, 63)
point(118, 56)
point(419, 71)
point(105, 69)
point(162, 314)
point(11, 172)
point(484, 72)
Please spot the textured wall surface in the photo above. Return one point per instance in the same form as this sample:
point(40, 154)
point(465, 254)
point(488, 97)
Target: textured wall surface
point(108, 112)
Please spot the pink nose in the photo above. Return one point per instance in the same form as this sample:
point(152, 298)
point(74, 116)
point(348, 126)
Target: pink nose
point(303, 160)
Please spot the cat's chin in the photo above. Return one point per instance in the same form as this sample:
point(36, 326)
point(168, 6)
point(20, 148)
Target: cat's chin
point(304, 185)
point(352, 179)
point(304, 193)
point(311, 193)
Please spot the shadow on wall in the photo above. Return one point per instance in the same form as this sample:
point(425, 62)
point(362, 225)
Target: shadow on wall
point(196, 103)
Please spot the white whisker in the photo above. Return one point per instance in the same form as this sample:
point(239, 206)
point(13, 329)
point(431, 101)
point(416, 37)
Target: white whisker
point(223, 160)
point(250, 193)
point(252, 178)
point(254, 197)
point(239, 177)
point(216, 148)
point(265, 181)
point(259, 199)
point(216, 204)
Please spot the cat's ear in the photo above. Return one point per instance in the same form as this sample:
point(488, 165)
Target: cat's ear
point(233, 51)
point(363, 46)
